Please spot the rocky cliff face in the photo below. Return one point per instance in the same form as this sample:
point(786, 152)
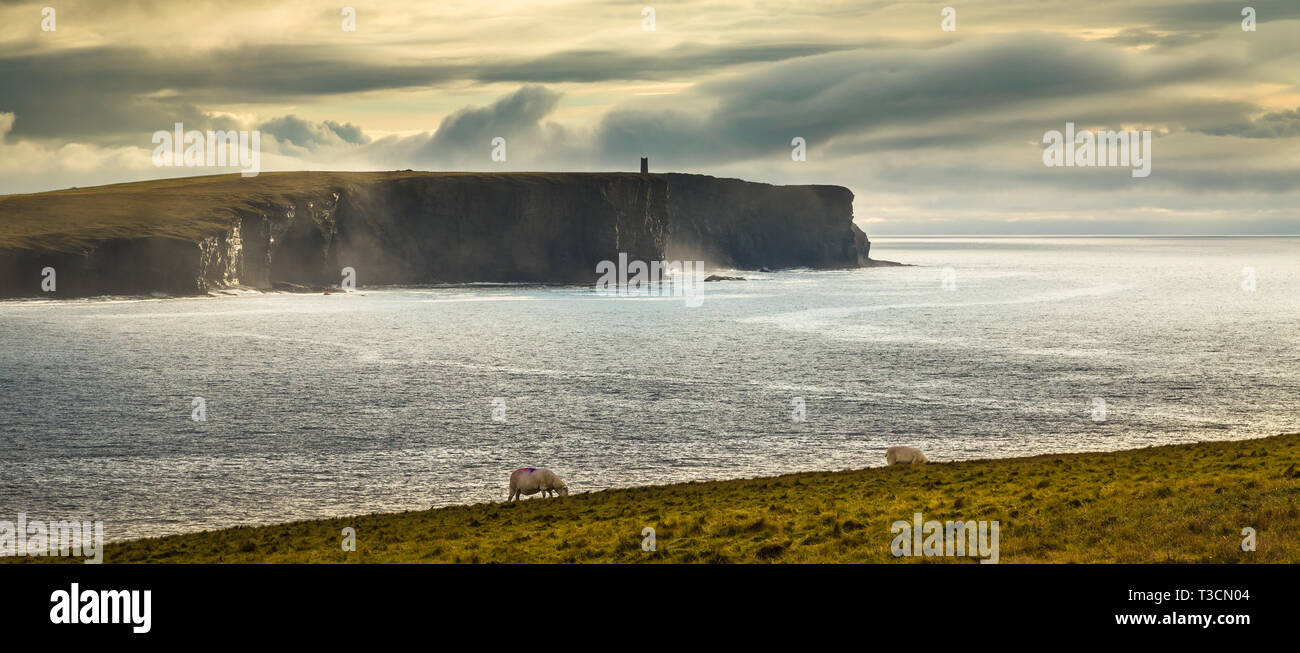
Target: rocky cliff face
point(419, 228)
point(746, 225)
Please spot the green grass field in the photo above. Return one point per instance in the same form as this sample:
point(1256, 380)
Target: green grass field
point(1181, 503)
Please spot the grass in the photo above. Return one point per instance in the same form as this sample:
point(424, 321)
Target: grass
point(188, 208)
point(1180, 503)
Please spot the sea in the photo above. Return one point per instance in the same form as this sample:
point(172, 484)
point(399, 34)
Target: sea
point(172, 415)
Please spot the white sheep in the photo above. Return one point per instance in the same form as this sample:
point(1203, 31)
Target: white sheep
point(531, 480)
point(904, 456)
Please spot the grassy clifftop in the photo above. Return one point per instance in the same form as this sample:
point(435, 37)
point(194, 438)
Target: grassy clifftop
point(187, 208)
point(1182, 503)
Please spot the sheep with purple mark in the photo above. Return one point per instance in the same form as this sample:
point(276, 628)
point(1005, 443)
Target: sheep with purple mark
point(531, 480)
point(905, 456)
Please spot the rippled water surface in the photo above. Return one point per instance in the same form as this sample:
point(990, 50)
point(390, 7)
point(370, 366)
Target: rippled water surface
point(381, 400)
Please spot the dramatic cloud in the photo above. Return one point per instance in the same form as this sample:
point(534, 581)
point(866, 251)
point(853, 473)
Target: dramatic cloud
point(845, 94)
point(934, 131)
point(1281, 124)
point(465, 136)
point(307, 136)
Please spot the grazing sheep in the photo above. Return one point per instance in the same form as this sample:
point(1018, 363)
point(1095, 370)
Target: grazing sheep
point(904, 456)
point(531, 480)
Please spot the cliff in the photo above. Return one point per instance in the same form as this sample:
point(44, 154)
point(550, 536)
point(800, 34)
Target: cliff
point(194, 235)
point(746, 225)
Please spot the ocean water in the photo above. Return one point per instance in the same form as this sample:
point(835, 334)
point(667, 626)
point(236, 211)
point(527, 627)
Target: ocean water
point(382, 400)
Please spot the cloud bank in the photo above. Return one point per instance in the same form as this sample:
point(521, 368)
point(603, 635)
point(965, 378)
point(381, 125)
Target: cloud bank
point(935, 132)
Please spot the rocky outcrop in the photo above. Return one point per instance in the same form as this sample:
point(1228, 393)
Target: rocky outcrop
point(301, 229)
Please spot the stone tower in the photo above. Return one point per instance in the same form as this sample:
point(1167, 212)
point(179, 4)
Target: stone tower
point(645, 165)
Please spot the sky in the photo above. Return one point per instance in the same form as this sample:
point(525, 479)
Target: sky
point(936, 131)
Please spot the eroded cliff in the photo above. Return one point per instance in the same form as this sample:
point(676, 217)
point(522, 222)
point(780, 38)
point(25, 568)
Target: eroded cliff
point(201, 234)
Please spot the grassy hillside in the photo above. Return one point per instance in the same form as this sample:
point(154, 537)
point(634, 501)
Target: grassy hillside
point(186, 208)
point(1183, 503)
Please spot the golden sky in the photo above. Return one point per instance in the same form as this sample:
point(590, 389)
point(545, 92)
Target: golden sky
point(934, 130)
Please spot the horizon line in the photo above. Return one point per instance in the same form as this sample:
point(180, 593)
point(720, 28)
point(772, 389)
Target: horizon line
point(1099, 235)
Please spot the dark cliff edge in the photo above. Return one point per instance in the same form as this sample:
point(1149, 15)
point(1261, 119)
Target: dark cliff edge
point(747, 225)
point(202, 234)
